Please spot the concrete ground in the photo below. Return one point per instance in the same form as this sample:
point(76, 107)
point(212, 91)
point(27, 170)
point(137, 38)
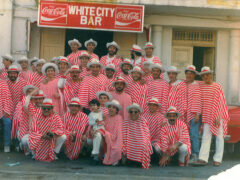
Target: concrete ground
point(82, 169)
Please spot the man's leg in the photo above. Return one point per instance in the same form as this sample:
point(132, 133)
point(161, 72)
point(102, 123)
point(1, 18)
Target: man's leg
point(219, 145)
point(206, 142)
point(183, 152)
point(59, 142)
point(7, 123)
point(194, 136)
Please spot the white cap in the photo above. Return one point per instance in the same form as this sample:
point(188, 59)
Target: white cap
point(45, 66)
point(114, 103)
point(94, 61)
point(113, 44)
point(74, 41)
point(157, 65)
point(136, 106)
point(90, 41)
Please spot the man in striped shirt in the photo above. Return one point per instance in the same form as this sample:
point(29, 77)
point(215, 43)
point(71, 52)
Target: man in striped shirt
point(174, 138)
point(194, 108)
point(46, 134)
point(136, 137)
point(148, 48)
point(126, 66)
point(5, 112)
point(91, 46)
point(7, 61)
point(136, 55)
point(158, 87)
point(73, 57)
point(214, 117)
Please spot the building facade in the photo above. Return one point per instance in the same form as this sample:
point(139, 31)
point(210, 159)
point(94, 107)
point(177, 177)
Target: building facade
point(199, 32)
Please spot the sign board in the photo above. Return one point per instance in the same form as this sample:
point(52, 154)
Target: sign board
point(94, 16)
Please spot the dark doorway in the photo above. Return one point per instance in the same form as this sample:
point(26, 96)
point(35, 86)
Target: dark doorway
point(203, 56)
point(102, 38)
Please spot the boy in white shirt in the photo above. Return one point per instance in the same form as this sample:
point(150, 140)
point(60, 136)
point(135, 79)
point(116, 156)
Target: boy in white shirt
point(96, 121)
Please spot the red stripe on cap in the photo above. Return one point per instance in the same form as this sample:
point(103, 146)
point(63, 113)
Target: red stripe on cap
point(75, 102)
point(205, 70)
point(191, 68)
point(13, 69)
point(136, 49)
point(46, 103)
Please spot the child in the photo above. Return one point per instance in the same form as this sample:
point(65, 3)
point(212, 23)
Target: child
point(97, 124)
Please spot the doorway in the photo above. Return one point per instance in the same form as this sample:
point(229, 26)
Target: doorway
point(102, 38)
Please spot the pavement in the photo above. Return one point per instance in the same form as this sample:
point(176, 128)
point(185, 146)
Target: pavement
point(82, 169)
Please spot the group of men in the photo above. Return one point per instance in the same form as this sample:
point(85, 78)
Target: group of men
point(158, 116)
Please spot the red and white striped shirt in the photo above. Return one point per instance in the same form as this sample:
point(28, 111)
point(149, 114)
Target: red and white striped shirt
point(25, 74)
point(136, 141)
point(159, 89)
point(153, 59)
point(5, 99)
point(74, 58)
point(89, 87)
point(4, 74)
point(154, 122)
point(40, 125)
point(93, 56)
point(16, 90)
point(105, 60)
point(104, 110)
point(128, 78)
point(76, 124)
point(177, 97)
point(85, 72)
point(171, 134)
point(147, 78)
point(193, 100)
point(214, 106)
point(139, 93)
point(35, 79)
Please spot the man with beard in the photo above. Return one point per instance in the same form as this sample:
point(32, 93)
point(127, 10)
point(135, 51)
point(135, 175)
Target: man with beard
point(91, 45)
point(158, 87)
point(110, 72)
point(7, 61)
point(15, 85)
point(111, 57)
point(92, 84)
point(73, 57)
point(125, 67)
point(174, 138)
point(36, 78)
point(136, 89)
point(123, 98)
point(136, 55)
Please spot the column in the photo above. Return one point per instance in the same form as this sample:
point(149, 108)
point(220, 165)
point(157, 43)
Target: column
point(157, 40)
point(234, 67)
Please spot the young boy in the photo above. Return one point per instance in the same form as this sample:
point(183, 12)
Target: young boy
point(97, 126)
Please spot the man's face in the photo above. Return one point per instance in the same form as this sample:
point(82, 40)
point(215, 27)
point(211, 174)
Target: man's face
point(153, 107)
point(24, 64)
point(50, 72)
point(95, 68)
point(134, 114)
point(39, 67)
point(74, 109)
point(207, 78)
point(84, 61)
point(38, 101)
point(112, 50)
point(126, 68)
point(146, 68)
point(47, 110)
point(90, 47)
point(172, 76)
point(7, 63)
point(74, 46)
point(112, 110)
point(190, 76)
point(137, 76)
point(63, 66)
point(172, 117)
point(119, 86)
point(74, 74)
point(156, 72)
point(13, 75)
point(103, 99)
point(149, 52)
point(109, 73)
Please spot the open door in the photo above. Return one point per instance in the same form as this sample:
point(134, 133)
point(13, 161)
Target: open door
point(52, 43)
point(182, 56)
point(209, 57)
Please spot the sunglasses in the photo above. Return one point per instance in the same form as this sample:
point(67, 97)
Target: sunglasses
point(133, 112)
point(47, 108)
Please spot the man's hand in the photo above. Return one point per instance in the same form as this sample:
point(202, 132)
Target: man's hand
point(217, 122)
point(163, 160)
point(197, 117)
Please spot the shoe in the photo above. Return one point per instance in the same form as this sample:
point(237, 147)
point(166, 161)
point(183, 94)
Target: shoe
point(181, 164)
point(193, 159)
point(55, 157)
point(215, 163)
point(200, 163)
point(6, 149)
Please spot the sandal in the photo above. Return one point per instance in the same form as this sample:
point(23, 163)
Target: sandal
point(215, 163)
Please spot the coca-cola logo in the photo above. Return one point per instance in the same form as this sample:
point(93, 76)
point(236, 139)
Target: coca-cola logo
point(126, 16)
point(52, 11)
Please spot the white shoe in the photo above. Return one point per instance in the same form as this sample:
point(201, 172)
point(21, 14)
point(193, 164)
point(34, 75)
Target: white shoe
point(6, 149)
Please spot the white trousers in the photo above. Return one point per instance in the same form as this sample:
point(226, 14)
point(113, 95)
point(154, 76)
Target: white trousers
point(96, 143)
point(206, 143)
point(59, 143)
point(183, 152)
point(25, 140)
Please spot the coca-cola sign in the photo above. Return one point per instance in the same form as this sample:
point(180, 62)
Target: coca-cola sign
point(91, 16)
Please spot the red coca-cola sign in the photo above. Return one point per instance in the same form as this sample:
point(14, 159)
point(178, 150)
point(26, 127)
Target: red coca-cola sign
point(91, 16)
